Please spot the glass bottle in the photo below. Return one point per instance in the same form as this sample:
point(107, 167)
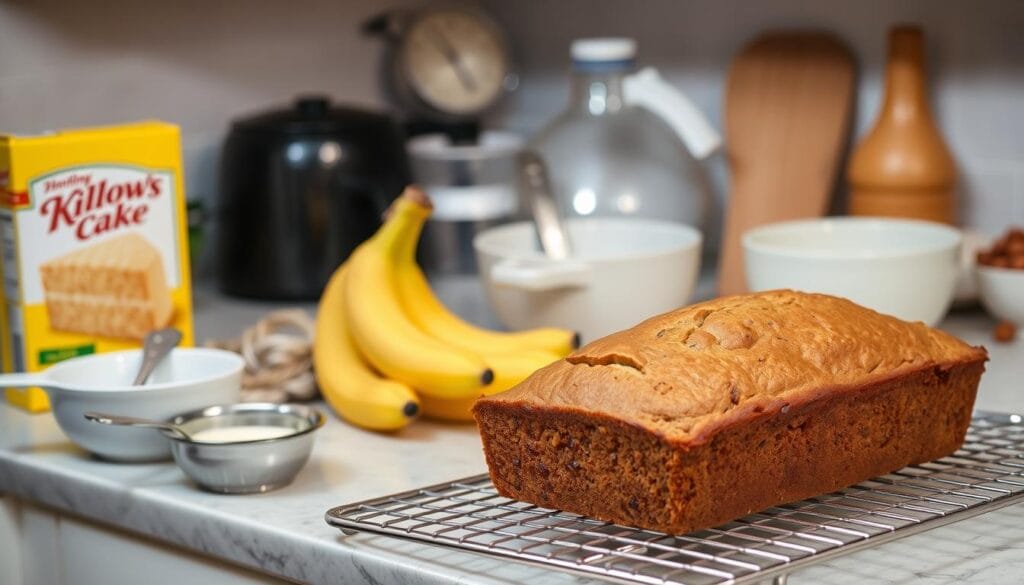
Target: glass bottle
point(624, 148)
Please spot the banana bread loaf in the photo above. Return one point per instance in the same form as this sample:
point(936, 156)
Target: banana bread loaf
point(714, 411)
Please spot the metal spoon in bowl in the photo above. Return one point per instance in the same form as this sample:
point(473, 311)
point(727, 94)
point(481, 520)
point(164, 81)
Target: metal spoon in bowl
point(131, 421)
point(155, 348)
point(533, 176)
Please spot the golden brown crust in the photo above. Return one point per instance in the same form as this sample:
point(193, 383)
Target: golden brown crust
point(687, 373)
point(711, 412)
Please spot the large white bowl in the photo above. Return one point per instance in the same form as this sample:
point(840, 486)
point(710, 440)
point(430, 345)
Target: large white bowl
point(187, 379)
point(622, 271)
point(1002, 293)
point(904, 268)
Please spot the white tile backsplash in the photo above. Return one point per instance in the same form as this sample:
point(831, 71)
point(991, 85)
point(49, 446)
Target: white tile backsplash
point(201, 63)
point(976, 55)
point(195, 63)
point(991, 186)
point(1018, 198)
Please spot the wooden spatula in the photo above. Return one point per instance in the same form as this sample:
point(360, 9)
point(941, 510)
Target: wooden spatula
point(787, 109)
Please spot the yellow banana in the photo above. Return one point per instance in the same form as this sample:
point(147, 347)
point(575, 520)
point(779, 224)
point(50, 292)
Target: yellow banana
point(354, 391)
point(383, 332)
point(509, 370)
point(431, 316)
point(514, 367)
point(457, 410)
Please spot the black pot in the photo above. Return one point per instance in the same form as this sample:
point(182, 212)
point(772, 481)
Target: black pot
point(299, 190)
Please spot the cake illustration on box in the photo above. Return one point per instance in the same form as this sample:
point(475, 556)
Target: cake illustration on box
point(114, 288)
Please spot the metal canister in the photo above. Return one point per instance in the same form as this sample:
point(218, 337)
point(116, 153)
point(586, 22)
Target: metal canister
point(472, 186)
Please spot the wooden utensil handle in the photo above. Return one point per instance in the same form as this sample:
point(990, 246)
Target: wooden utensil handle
point(787, 110)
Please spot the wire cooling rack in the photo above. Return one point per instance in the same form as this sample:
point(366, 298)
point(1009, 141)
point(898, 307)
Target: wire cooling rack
point(986, 473)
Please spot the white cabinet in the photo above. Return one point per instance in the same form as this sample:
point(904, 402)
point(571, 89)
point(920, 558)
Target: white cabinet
point(10, 541)
point(41, 547)
point(39, 534)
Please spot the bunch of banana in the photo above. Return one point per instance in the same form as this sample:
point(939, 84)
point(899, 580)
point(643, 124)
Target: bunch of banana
point(386, 348)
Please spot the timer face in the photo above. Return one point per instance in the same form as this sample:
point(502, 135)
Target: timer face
point(455, 61)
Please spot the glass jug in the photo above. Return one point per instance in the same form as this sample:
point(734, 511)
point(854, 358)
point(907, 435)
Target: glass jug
point(629, 144)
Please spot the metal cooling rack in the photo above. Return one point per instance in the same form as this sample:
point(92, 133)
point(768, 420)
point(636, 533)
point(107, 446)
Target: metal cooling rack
point(986, 473)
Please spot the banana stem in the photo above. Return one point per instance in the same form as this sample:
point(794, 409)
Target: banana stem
point(395, 235)
point(406, 243)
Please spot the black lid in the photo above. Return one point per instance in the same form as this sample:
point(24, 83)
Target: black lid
point(312, 115)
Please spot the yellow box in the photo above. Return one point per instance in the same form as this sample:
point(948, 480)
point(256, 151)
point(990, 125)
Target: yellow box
point(94, 245)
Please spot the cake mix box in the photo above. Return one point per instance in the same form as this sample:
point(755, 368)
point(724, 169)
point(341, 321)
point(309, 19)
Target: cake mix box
point(94, 244)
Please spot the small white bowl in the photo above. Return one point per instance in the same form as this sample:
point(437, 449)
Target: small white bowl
point(1002, 293)
point(622, 271)
point(187, 379)
point(904, 268)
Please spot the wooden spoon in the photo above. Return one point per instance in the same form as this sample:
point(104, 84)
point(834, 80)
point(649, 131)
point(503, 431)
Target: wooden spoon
point(787, 110)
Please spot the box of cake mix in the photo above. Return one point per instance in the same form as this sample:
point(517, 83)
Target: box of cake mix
point(94, 244)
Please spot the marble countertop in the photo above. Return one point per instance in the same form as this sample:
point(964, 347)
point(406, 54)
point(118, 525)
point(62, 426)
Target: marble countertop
point(283, 533)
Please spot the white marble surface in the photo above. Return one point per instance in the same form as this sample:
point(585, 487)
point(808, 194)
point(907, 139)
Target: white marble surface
point(283, 533)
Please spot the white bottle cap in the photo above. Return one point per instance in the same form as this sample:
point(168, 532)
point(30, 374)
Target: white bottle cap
point(603, 50)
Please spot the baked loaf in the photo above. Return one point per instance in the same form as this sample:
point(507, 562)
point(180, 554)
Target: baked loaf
point(714, 411)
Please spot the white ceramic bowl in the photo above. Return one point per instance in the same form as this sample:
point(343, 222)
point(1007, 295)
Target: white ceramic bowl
point(904, 268)
point(622, 271)
point(188, 379)
point(1002, 293)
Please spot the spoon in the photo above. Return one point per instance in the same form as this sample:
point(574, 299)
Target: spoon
point(131, 421)
point(534, 174)
point(155, 348)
